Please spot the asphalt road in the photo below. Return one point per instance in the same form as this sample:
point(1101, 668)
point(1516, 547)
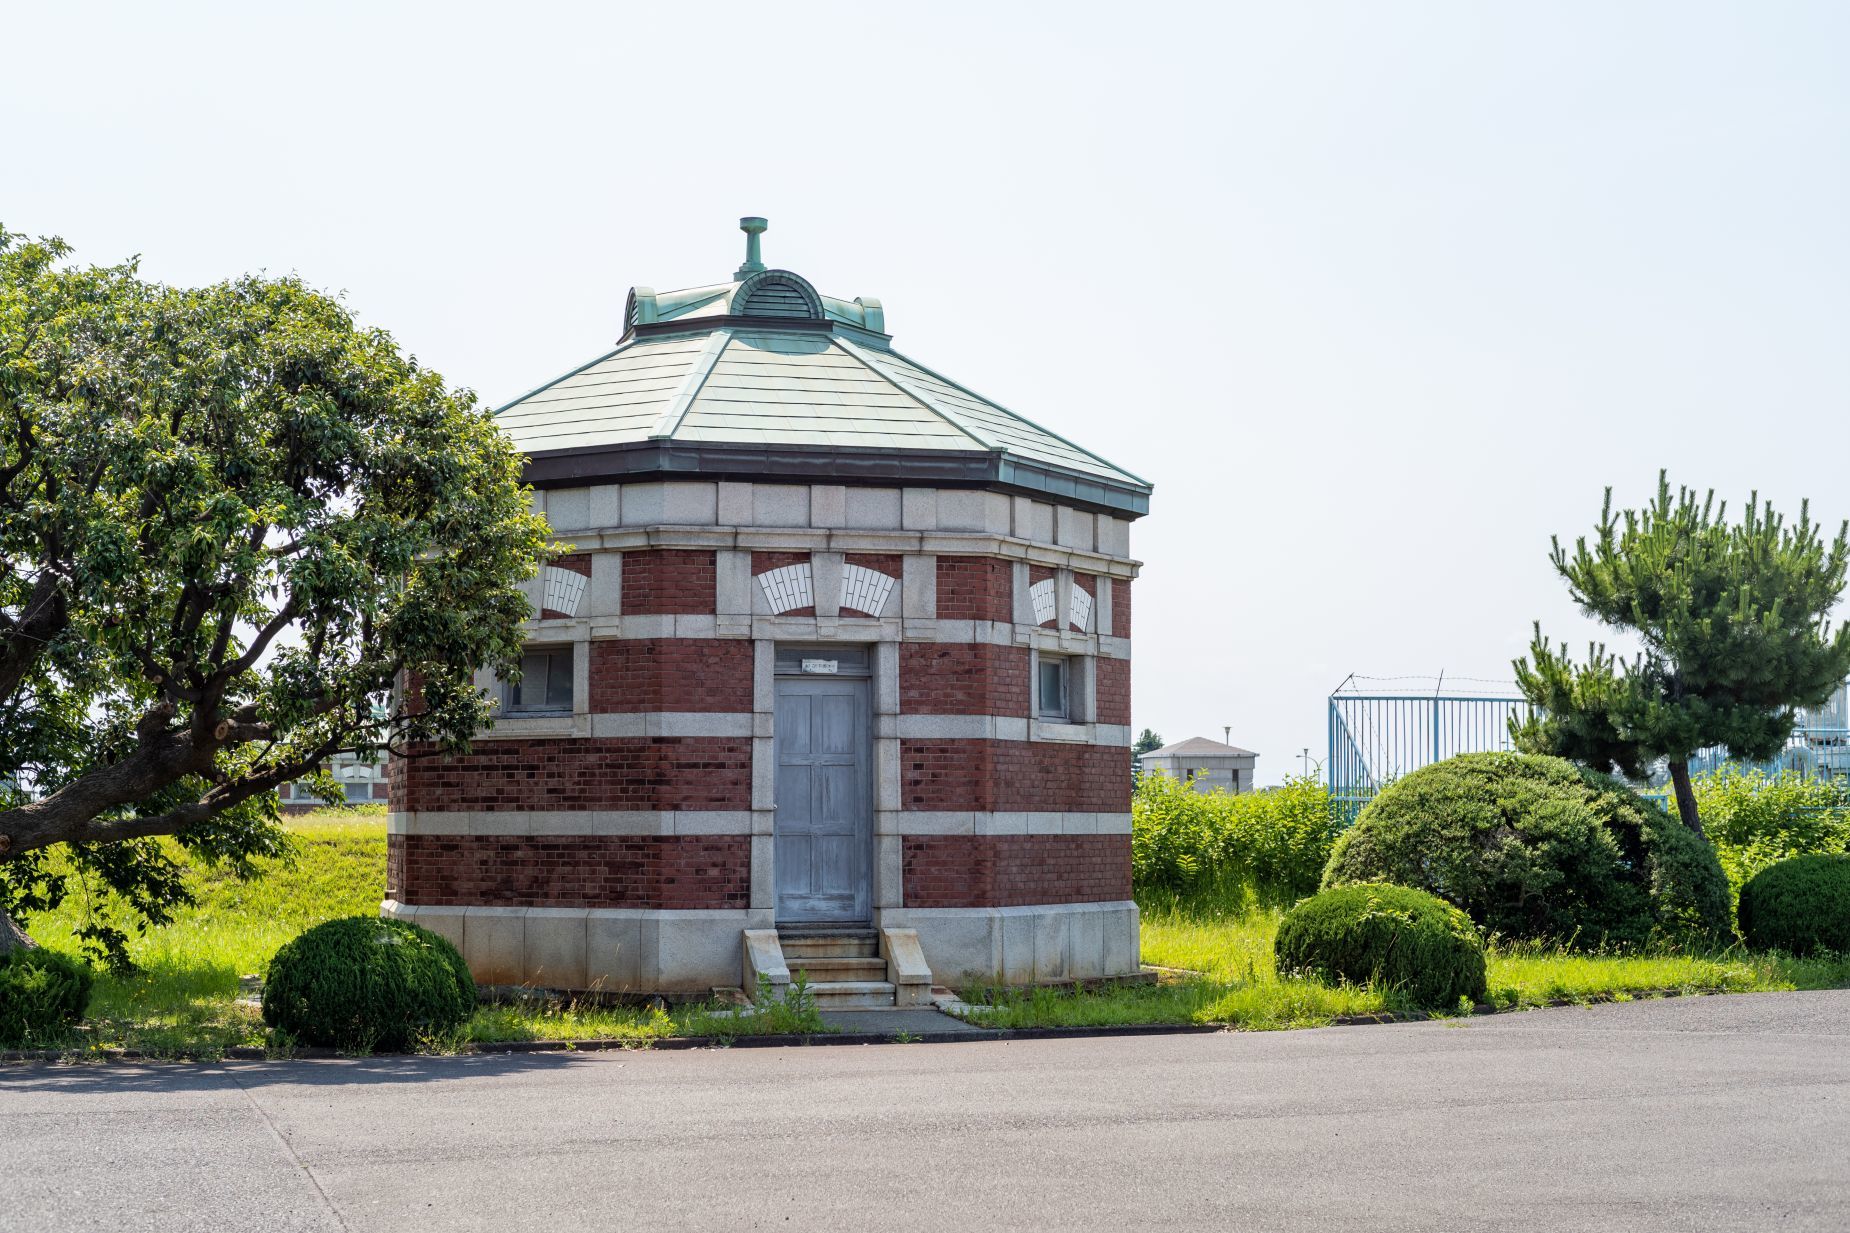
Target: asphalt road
point(1699, 1113)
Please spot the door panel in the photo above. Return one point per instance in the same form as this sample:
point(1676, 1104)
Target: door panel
point(823, 836)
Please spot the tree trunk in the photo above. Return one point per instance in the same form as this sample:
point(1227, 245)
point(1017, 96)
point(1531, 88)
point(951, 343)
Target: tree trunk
point(12, 937)
point(1686, 795)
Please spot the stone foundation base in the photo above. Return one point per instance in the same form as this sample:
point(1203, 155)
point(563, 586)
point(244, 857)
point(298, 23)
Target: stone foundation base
point(618, 950)
point(1024, 946)
point(639, 950)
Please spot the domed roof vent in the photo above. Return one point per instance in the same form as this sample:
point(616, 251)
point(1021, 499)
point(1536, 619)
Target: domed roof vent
point(777, 293)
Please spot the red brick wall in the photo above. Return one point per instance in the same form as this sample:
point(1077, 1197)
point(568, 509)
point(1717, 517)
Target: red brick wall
point(945, 678)
point(671, 674)
point(1120, 607)
point(765, 562)
point(1003, 871)
point(975, 589)
point(887, 563)
point(657, 772)
point(1112, 680)
point(1011, 776)
point(570, 871)
point(669, 580)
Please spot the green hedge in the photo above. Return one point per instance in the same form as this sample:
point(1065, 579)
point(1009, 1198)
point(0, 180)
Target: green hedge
point(1800, 906)
point(1185, 842)
point(1535, 847)
point(362, 984)
point(1393, 937)
point(42, 995)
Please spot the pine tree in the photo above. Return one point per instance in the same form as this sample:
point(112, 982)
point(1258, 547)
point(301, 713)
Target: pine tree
point(1734, 619)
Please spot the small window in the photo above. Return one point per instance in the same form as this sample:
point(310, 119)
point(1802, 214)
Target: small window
point(1054, 686)
point(545, 683)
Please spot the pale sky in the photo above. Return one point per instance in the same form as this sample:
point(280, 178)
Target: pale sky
point(1379, 296)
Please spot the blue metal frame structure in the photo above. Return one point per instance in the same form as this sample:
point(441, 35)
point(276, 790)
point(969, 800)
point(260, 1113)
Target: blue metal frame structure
point(1375, 738)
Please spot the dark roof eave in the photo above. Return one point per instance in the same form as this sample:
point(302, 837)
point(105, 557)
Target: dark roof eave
point(723, 460)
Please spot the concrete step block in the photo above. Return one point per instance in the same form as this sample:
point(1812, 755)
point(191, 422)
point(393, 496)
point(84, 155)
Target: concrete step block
point(820, 969)
point(843, 994)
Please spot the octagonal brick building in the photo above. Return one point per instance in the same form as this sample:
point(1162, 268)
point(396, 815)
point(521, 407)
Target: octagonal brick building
point(835, 677)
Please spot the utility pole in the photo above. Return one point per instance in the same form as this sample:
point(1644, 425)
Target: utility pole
point(1226, 734)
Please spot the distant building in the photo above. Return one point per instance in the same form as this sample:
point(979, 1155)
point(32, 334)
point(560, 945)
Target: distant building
point(1205, 765)
point(361, 782)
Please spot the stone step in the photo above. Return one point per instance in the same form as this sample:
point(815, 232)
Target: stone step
point(836, 968)
point(861, 944)
point(844, 994)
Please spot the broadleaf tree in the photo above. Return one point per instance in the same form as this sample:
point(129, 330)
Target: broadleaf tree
point(1733, 619)
point(233, 523)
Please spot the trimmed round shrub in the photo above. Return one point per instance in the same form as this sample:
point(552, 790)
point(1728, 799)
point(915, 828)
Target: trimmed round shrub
point(1539, 848)
point(1800, 906)
point(42, 995)
point(1387, 936)
point(365, 984)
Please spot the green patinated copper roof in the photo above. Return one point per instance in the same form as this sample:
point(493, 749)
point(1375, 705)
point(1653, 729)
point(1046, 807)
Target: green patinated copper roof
point(765, 369)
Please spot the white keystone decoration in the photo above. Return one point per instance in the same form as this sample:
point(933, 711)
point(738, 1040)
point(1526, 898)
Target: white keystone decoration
point(788, 587)
point(1041, 596)
point(1082, 608)
point(564, 590)
point(865, 590)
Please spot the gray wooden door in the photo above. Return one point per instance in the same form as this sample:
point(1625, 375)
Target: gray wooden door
point(825, 819)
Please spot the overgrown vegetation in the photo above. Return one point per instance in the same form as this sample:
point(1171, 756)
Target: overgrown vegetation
point(1756, 819)
point(1190, 847)
point(42, 996)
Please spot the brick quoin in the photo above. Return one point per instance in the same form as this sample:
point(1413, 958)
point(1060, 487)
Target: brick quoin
point(629, 675)
point(945, 678)
point(1113, 684)
point(987, 776)
point(1120, 607)
point(661, 581)
point(975, 589)
point(1007, 871)
point(1088, 584)
point(570, 871)
point(653, 772)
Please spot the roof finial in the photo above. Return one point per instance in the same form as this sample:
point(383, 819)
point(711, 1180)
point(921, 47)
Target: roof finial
point(753, 228)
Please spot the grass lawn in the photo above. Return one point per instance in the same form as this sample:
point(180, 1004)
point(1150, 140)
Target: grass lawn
point(1238, 986)
point(185, 997)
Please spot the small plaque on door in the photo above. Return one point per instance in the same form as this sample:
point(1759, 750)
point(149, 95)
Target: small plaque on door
point(820, 667)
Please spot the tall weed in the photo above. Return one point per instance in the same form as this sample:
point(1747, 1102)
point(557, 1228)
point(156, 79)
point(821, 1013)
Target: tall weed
point(1755, 819)
point(1203, 848)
